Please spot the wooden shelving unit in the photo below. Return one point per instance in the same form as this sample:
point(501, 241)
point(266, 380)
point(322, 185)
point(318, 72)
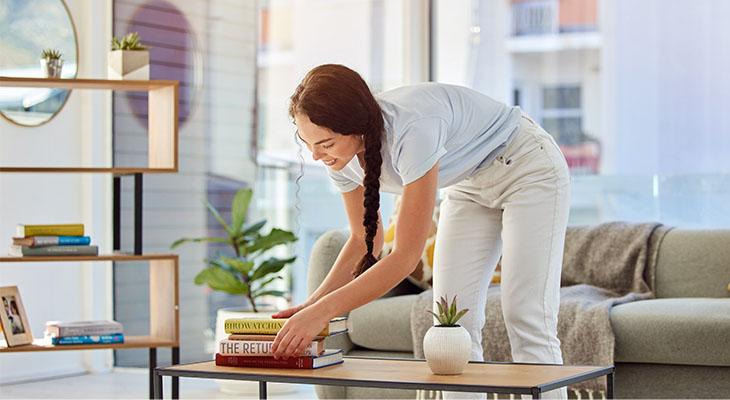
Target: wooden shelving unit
point(161, 124)
point(163, 268)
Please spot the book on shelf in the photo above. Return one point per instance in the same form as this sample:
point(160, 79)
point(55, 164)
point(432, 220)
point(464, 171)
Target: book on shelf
point(82, 328)
point(40, 241)
point(67, 250)
point(88, 339)
point(260, 348)
point(329, 357)
point(50, 230)
point(271, 326)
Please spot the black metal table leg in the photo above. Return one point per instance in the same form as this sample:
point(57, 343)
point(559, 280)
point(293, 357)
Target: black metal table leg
point(609, 385)
point(138, 213)
point(153, 365)
point(157, 393)
point(117, 225)
point(262, 389)
point(536, 393)
point(175, 379)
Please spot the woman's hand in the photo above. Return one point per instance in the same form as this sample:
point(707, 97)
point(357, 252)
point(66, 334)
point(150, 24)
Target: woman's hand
point(289, 311)
point(298, 332)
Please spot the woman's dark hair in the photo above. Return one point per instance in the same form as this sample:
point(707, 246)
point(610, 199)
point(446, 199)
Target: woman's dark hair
point(337, 98)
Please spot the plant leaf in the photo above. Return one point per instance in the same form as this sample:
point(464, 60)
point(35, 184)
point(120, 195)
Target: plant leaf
point(261, 286)
point(238, 264)
point(183, 240)
point(445, 305)
point(277, 293)
point(274, 238)
point(240, 207)
point(452, 308)
point(440, 307)
point(217, 216)
point(220, 279)
point(434, 314)
point(272, 265)
point(459, 315)
point(251, 229)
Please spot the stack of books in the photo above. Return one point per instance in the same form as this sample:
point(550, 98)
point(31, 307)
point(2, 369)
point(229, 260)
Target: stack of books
point(84, 332)
point(52, 240)
point(250, 340)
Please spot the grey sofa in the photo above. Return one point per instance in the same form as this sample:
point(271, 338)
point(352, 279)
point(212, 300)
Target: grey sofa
point(674, 346)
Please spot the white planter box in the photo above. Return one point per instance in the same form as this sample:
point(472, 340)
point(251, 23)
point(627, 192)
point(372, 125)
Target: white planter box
point(129, 64)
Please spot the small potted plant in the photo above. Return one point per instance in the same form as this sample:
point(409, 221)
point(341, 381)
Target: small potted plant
point(128, 59)
point(51, 63)
point(447, 346)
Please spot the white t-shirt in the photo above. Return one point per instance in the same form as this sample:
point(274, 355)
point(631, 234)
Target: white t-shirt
point(460, 128)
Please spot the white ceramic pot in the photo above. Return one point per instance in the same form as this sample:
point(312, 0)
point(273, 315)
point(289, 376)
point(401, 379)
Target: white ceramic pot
point(129, 64)
point(244, 387)
point(447, 349)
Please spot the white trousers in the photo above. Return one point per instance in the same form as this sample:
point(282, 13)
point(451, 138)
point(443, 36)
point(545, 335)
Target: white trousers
point(517, 207)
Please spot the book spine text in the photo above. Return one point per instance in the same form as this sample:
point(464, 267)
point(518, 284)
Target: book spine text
point(50, 230)
point(88, 339)
point(256, 348)
point(263, 362)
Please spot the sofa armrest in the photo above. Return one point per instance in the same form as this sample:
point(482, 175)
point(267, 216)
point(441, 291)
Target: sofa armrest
point(323, 256)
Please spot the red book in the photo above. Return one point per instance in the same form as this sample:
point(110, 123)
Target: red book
point(329, 357)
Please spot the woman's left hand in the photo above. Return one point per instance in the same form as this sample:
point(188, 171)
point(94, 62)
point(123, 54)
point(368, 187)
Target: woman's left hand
point(298, 332)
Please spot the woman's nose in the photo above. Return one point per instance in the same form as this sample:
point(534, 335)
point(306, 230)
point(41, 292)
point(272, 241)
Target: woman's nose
point(316, 155)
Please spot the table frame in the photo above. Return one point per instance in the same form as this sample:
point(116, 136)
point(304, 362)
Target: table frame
point(535, 391)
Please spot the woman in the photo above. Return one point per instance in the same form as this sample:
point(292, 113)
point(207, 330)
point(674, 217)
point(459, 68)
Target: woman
point(505, 191)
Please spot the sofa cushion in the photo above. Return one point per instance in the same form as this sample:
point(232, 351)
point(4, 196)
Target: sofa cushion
point(694, 263)
point(383, 324)
point(690, 331)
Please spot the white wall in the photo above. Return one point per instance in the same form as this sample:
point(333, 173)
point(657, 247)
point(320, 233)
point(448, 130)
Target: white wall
point(78, 135)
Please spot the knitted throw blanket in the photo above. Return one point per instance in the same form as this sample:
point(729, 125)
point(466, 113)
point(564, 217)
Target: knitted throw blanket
point(603, 265)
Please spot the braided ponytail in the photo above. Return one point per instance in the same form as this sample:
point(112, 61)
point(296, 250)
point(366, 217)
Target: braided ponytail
point(337, 98)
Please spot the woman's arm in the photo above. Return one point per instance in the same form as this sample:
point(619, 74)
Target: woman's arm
point(352, 251)
point(354, 248)
point(412, 226)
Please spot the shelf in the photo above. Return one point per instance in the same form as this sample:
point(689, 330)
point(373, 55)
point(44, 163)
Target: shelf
point(130, 342)
point(161, 121)
point(102, 257)
point(111, 170)
point(101, 84)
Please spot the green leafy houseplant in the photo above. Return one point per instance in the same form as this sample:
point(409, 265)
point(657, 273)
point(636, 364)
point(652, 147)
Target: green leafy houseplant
point(128, 42)
point(448, 314)
point(248, 272)
point(50, 54)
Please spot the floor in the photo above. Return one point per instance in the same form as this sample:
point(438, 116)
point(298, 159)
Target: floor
point(132, 383)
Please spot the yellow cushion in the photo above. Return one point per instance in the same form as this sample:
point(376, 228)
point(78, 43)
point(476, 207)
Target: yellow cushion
point(422, 275)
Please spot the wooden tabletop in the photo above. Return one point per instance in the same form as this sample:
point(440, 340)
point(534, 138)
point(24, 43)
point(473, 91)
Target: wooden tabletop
point(402, 373)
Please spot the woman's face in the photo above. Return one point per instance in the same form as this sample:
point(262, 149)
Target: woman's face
point(334, 149)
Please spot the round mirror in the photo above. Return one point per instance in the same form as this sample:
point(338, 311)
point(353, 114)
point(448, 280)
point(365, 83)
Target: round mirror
point(27, 28)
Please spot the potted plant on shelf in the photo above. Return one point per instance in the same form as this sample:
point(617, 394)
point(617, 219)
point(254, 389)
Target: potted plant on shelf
point(246, 271)
point(51, 63)
point(128, 59)
point(447, 346)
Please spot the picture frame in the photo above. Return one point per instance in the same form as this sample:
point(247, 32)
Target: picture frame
point(13, 320)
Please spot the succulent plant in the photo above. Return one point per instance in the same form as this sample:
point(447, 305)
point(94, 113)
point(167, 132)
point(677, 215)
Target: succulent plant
point(128, 42)
point(51, 54)
point(448, 314)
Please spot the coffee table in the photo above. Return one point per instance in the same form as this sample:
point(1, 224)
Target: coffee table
point(491, 377)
